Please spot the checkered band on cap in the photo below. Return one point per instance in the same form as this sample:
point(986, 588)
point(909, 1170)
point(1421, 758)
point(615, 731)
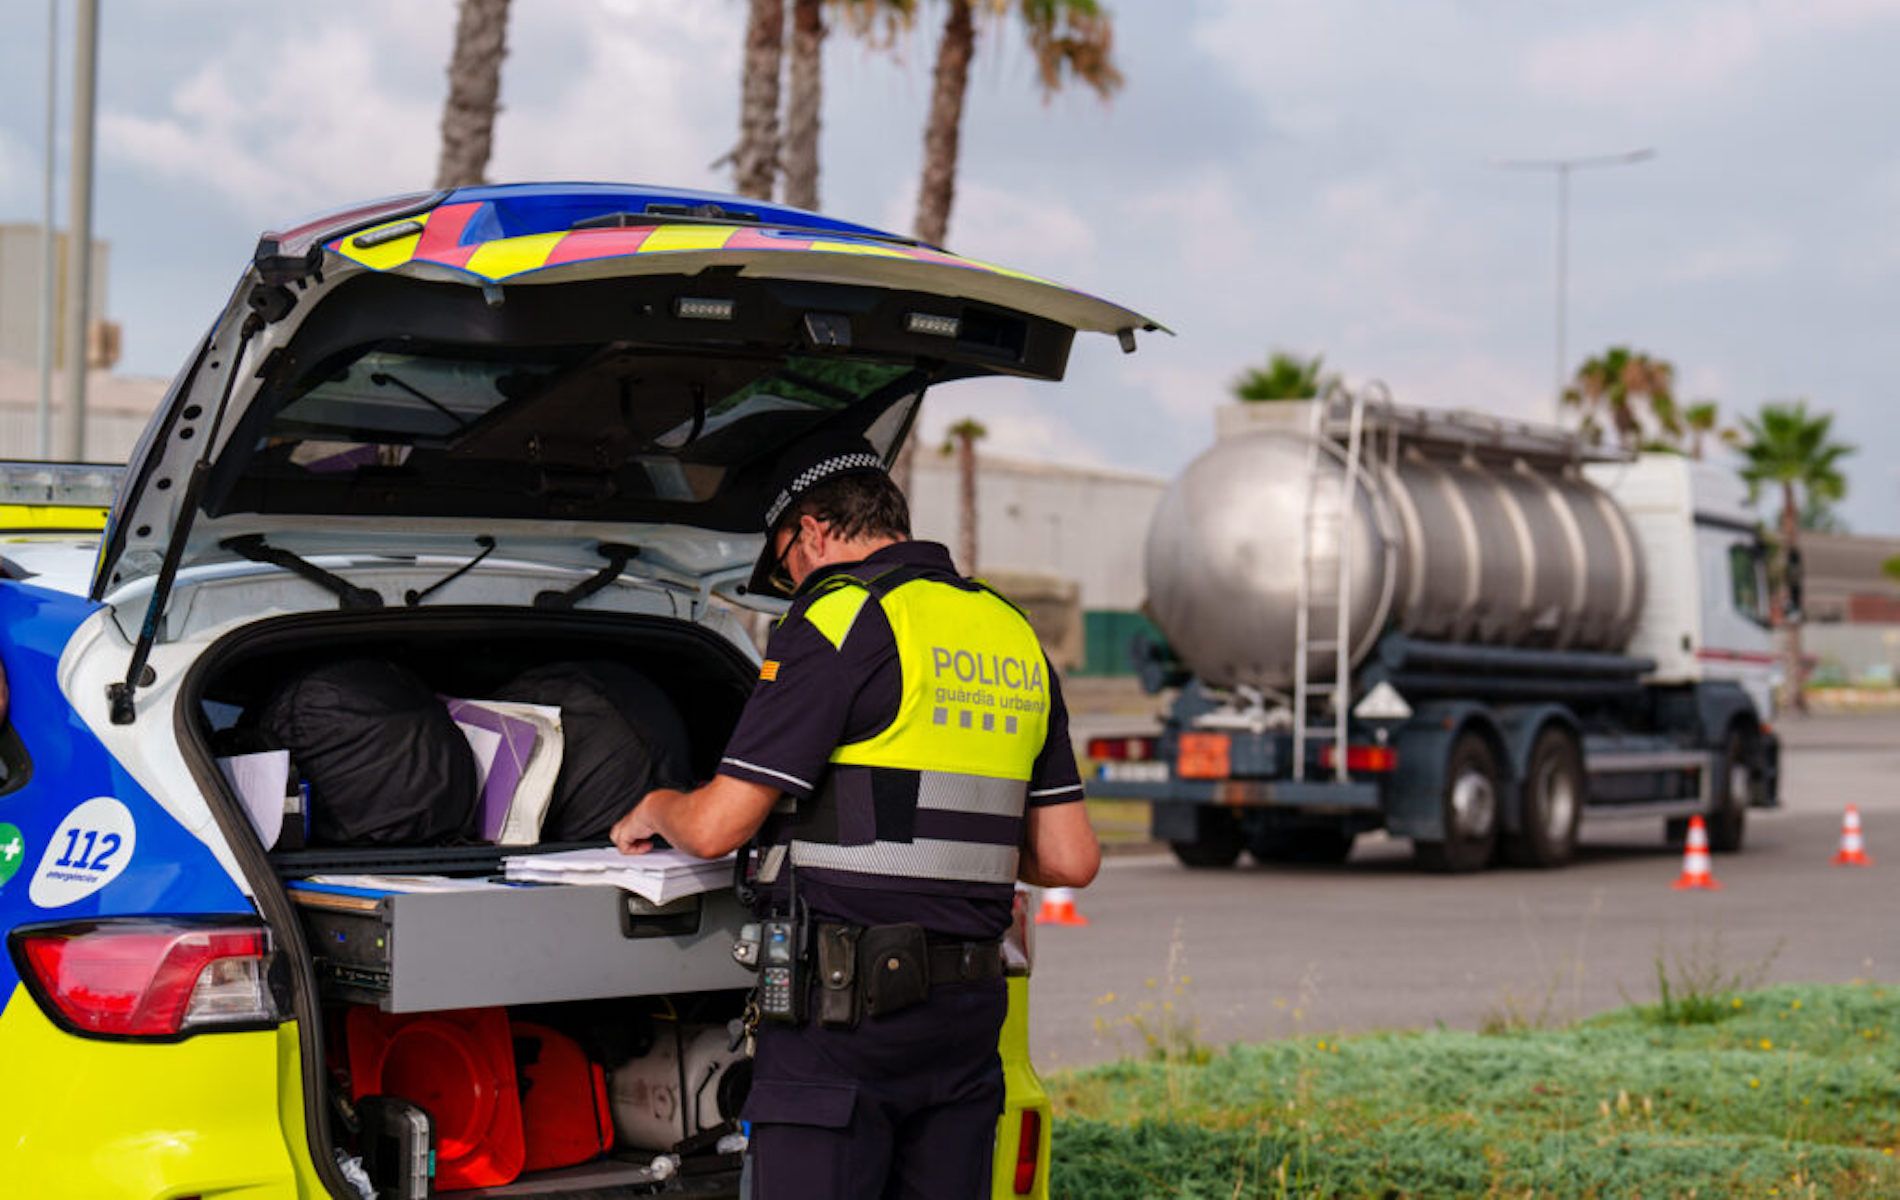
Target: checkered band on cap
point(817, 473)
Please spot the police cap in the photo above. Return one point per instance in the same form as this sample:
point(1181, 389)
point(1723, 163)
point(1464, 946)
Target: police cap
point(804, 466)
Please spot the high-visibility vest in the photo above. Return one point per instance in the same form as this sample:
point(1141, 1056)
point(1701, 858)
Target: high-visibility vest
point(934, 801)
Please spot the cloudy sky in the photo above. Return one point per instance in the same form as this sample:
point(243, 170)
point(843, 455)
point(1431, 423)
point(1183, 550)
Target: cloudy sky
point(1317, 176)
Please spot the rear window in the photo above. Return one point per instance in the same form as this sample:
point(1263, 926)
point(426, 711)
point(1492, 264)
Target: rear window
point(620, 424)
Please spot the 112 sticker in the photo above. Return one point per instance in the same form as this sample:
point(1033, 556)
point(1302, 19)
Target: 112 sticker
point(88, 850)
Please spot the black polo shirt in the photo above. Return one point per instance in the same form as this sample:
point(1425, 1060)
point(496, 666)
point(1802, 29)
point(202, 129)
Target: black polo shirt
point(813, 697)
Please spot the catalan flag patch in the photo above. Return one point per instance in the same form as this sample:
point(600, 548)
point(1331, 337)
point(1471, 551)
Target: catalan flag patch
point(768, 670)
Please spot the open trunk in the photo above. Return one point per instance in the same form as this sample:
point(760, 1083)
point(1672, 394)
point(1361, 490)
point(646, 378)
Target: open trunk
point(601, 379)
point(645, 991)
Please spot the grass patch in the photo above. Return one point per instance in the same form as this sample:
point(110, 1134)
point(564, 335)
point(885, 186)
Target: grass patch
point(1788, 1091)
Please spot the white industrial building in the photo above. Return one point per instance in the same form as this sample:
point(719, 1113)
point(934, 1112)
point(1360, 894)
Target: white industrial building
point(1083, 524)
point(117, 406)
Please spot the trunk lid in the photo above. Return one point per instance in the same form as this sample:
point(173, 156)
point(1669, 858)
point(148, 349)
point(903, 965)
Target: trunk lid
point(557, 367)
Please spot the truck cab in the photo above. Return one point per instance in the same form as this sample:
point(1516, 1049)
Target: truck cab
point(1710, 622)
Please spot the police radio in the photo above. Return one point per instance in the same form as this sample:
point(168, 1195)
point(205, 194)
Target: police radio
point(775, 948)
point(781, 983)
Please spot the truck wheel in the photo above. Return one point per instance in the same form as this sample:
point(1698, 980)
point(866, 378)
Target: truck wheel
point(1730, 793)
point(1218, 846)
point(1553, 803)
point(1471, 809)
point(1301, 846)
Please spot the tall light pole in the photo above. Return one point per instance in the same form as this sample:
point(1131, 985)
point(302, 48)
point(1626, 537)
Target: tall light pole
point(79, 225)
point(49, 240)
point(1562, 169)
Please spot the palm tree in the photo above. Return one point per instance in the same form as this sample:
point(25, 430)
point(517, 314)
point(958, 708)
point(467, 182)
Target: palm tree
point(804, 102)
point(468, 116)
point(1786, 447)
point(961, 439)
point(755, 160)
point(1070, 39)
point(1700, 419)
point(1285, 377)
point(1619, 384)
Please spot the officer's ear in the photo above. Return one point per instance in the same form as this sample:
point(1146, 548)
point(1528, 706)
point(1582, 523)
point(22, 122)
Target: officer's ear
point(814, 534)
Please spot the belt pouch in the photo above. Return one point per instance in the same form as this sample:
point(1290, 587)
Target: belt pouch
point(838, 975)
point(894, 963)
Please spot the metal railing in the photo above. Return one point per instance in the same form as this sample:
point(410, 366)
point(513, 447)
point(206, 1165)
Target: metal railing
point(1344, 515)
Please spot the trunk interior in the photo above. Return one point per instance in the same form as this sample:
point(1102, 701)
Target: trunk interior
point(562, 1036)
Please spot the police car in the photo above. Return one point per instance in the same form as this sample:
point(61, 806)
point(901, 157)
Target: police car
point(471, 429)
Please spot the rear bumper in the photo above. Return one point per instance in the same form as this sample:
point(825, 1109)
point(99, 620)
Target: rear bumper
point(98, 1120)
point(1322, 796)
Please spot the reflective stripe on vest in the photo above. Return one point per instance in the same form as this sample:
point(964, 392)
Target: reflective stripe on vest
point(972, 716)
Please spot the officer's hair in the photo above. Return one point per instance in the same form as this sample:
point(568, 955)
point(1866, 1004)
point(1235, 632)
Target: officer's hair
point(865, 504)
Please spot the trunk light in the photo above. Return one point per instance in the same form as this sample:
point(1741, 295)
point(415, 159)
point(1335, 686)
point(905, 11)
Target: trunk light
point(703, 308)
point(147, 979)
point(1371, 760)
point(1028, 1151)
point(388, 233)
point(933, 325)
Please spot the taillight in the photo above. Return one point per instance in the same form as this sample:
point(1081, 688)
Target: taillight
point(1122, 749)
point(147, 979)
point(1369, 760)
point(1028, 1151)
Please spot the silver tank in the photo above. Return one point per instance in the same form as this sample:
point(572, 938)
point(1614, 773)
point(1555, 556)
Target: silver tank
point(1443, 546)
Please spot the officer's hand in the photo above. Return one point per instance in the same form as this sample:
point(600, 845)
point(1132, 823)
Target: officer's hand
point(633, 833)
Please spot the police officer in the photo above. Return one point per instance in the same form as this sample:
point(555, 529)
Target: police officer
point(904, 759)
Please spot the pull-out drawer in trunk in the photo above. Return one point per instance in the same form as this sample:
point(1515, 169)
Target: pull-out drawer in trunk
point(515, 944)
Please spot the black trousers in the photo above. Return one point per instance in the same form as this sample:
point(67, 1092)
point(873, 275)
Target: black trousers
point(903, 1107)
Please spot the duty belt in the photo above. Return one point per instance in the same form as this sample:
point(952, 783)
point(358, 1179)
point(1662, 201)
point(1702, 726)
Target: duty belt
point(965, 962)
point(954, 961)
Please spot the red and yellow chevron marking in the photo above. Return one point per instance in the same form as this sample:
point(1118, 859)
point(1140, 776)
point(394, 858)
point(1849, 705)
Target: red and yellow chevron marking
point(439, 241)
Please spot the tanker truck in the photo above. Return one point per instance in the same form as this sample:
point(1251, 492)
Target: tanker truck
point(1474, 633)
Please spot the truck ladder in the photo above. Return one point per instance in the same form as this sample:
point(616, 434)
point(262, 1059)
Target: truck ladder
point(1340, 598)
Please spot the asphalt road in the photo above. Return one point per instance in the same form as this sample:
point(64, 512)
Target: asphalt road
point(1255, 953)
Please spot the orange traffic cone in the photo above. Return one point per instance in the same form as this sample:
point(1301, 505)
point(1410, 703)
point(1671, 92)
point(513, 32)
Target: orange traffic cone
point(1058, 908)
point(1853, 851)
point(1696, 872)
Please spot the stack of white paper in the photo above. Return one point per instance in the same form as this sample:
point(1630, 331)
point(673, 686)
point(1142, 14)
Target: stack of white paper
point(409, 883)
point(661, 876)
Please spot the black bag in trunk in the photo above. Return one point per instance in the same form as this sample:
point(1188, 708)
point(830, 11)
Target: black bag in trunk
point(386, 763)
point(622, 737)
